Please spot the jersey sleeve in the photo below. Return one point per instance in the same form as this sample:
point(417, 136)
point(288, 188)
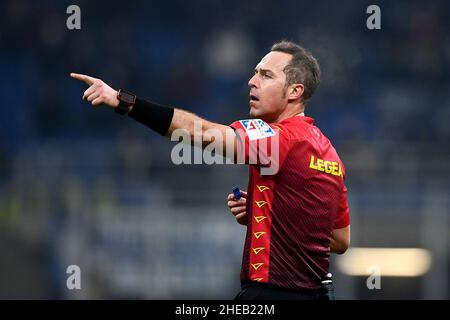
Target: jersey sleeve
point(261, 144)
point(343, 216)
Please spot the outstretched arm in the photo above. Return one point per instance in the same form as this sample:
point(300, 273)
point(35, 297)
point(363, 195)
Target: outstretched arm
point(100, 93)
point(196, 125)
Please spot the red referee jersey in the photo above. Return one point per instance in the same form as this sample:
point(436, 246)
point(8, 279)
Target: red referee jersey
point(291, 213)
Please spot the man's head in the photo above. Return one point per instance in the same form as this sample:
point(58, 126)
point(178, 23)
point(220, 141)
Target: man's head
point(284, 80)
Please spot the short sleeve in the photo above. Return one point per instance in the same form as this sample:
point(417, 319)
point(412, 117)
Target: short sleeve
point(261, 144)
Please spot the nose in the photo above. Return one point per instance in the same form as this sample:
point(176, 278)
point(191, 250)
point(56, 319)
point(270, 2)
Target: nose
point(253, 82)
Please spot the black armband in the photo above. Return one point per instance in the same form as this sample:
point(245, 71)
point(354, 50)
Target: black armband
point(152, 115)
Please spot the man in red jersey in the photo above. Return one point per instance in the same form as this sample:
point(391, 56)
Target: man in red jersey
point(297, 216)
point(296, 208)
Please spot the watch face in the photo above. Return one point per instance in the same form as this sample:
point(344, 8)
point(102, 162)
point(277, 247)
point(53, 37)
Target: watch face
point(126, 97)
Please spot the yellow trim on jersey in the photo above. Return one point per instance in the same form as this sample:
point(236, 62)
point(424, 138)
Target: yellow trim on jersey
point(259, 218)
point(262, 188)
point(257, 250)
point(278, 128)
point(260, 203)
point(259, 234)
point(257, 265)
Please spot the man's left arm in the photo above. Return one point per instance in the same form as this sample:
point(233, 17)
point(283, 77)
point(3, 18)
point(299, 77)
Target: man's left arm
point(340, 240)
point(340, 236)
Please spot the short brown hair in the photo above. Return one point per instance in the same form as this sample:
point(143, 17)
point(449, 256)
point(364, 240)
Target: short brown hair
point(303, 67)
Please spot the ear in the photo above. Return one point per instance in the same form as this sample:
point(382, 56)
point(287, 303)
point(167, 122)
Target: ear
point(295, 91)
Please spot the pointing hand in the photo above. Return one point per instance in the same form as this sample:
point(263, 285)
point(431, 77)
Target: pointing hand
point(98, 92)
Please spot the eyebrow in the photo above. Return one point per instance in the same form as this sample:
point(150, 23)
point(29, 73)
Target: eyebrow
point(266, 71)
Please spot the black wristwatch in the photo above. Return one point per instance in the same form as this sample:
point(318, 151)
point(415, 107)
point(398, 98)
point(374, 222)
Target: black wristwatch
point(126, 100)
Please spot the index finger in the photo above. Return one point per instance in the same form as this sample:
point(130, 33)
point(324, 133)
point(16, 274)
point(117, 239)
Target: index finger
point(82, 77)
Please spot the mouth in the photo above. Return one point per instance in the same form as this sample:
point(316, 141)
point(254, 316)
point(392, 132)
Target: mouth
point(253, 98)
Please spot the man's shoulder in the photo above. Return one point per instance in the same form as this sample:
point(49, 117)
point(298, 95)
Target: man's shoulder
point(294, 129)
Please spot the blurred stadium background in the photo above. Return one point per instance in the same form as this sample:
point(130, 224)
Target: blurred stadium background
point(86, 187)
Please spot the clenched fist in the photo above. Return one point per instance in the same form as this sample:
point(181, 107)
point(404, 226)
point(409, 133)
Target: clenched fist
point(98, 92)
point(238, 207)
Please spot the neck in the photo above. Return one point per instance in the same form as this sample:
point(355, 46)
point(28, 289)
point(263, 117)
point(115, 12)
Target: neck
point(297, 110)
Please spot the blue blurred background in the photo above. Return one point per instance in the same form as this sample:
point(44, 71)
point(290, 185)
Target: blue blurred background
point(83, 186)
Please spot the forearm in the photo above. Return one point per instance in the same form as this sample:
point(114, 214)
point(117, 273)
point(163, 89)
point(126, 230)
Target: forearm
point(201, 131)
point(165, 120)
point(191, 123)
point(174, 122)
point(153, 115)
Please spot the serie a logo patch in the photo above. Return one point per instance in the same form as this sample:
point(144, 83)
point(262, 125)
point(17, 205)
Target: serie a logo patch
point(257, 129)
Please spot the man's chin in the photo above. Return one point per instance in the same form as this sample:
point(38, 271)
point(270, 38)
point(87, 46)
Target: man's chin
point(254, 113)
point(259, 115)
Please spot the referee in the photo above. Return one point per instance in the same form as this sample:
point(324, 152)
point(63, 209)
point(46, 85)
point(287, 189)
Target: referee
point(296, 213)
